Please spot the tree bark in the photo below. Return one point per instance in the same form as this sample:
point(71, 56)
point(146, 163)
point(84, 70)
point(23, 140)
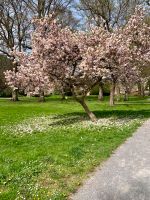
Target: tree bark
point(112, 94)
point(118, 93)
point(101, 95)
point(15, 95)
point(139, 88)
point(149, 88)
point(142, 91)
point(15, 92)
point(126, 96)
point(63, 96)
point(42, 97)
point(89, 113)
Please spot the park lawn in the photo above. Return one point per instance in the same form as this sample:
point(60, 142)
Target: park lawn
point(48, 149)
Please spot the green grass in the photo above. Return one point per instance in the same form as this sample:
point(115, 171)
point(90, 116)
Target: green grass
point(52, 164)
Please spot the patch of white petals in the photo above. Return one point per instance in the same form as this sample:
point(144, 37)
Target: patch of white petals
point(111, 122)
point(48, 123)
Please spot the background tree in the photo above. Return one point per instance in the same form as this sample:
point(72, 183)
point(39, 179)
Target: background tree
point(14, 29)
point(15, 23)
point(109, 14)
point(30, 77)
point(42, 8)
point(5, 64)
point(139, 44)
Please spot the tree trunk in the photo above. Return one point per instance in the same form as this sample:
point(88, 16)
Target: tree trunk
point(15, 95)
point(117, 93)
point(149, 88)
point(15, 92)
point(41, 8)
point(112, 94)
point(100, 95)
point(63, 96)
point(139, 88)
point(126, 96)
point(142, 91)
point(42, 97)
point(89, 113)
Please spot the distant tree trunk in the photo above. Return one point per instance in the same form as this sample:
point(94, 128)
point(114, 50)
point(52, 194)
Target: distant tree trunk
point(15, 92)
point(63, 94)
point(41, 97)
point(112, 94)
point(149, 88)
point(29, 94)
point(126, 96)
point(101, 94)
point(141, 89)
point(117, 93)
point(41, 8)
point(15, 95)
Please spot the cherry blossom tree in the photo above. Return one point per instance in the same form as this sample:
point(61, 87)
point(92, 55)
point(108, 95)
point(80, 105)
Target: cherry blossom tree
point(128, 79)
point(137, 34)
point(115, 55)
point(13, 82)
point(30, 77)
point(75, 55)
point(127, 51)
point(80, 60)
point(67, 57)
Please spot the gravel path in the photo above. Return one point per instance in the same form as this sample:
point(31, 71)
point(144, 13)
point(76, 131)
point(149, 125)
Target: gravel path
point(126, 175)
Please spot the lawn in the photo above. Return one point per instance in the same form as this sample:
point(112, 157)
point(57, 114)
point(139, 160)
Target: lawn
point(48, 149)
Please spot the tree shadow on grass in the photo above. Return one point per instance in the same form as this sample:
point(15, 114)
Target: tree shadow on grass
point(76, 117)
point(112, 113)
point(134, 103)
point(68, 119)
point(123, 113)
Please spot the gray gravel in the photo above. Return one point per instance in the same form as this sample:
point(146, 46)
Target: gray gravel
point(126, 175)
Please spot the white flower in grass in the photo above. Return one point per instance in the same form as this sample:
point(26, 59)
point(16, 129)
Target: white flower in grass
point(47, 123)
